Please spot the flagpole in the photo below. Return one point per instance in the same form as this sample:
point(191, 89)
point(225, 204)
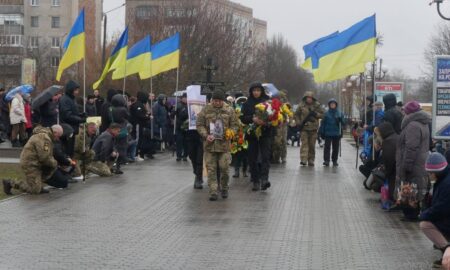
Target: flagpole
point(151, 101)
point(84, 111)
point(124, 80)
point(176, 102)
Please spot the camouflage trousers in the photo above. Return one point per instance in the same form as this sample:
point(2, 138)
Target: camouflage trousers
point(217, 162)
point(34, 180)
point(99, 168)
point(279, 145)
point(308, 148)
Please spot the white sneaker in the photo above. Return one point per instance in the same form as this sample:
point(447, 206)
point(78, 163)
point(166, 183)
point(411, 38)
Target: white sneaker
point(78, 178)
point(139, 159)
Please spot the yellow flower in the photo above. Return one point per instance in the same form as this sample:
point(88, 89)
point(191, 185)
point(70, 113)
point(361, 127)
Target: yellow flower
point(229, 134)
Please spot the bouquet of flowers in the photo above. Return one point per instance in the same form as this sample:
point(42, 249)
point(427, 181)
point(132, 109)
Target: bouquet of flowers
point(229, 134)
point(407, 195)
point(270, 113)
point(287, 111)
point(239, 143)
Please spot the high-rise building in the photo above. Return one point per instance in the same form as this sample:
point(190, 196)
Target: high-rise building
point(36, 29)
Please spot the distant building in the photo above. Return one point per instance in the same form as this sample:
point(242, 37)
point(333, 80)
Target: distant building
point(36, 29)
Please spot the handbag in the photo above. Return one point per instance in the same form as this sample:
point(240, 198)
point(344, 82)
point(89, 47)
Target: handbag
point(123, 131)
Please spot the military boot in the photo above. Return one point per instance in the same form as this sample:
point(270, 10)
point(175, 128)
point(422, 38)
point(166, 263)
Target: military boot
point(213, 197)
point(265, 185)
point(198, 184)
point(16, 143)
point(224, 194)
point(7, 186)
point(236, 172)
point(256, 186)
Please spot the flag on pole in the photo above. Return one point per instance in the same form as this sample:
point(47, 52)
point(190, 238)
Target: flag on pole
point(138, 61)
point(345, 53)
point(166, 55)
point(310, 54)
point(117, 59)
point(74, 46)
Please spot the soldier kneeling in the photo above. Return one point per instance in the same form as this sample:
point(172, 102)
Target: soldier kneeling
point(105, 155)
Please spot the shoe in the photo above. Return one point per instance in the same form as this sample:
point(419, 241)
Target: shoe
point(256, 186)
point(303, 164)
point(437, 264)
point(311, 164)
point(265, 185)
point(198, 184)
point(139, 159)
point(77, 178)
point(245, 174)
point(44, 191)
point(16, 144)
point(178, 159)
point(224, 194)
point(213, 197)
point(7, 187)
point(184, 159)
point(117, 171)
point(283, 161)
point(335, 164)
point(326, 164)
point(236, 173)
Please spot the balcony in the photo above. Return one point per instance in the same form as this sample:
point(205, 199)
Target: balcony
point(11, 29)
point(11, 9)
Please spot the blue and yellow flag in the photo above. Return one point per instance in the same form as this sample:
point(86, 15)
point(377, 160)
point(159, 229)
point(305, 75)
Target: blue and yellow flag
point(346, 53)
point(74, 46)
point(117, 59)
point(138, 61)
point(166, 55)
point(310, 54)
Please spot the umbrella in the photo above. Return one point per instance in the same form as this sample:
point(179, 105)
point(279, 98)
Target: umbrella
point(271, 90)
point(24, 89)
point(45, 96)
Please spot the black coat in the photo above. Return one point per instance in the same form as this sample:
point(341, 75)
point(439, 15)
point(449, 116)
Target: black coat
point(48, 114)
point(248, 112)
point(118, 112)
point(4, 115)
point(138, 111)
point(68, 111)
point(182, 114)
point(104, 111)
point(103, 146)
point(98, 105)
point(389, 148)
point(91, 109)
point(391, 113)
point(439, 211)
point(59, 154)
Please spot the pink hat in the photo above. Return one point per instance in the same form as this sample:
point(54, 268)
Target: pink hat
point(411, 107)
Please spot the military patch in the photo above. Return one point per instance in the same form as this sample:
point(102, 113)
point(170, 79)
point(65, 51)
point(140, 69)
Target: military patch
point(46, 147)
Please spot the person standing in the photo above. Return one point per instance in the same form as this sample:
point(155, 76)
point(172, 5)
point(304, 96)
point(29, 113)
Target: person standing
point(391, 112)
point(48, 112)
point(18, 120)
point(259, 148)
point(331, 132)
point(99, 100)
point(91, 108)
point(181, 113)
point(69, 114)
point(140, 119)
point(104, 112)
point(213, 123)
point(412, 152)
point(160, 117)
point(308, 114)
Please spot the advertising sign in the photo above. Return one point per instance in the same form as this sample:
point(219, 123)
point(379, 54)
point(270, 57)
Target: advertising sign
point(441, 98)
point(384, 88)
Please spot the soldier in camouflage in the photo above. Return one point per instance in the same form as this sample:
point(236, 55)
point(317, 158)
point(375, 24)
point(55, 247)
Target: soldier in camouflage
point(212, 125)
point(37, 162)
point(308, 114)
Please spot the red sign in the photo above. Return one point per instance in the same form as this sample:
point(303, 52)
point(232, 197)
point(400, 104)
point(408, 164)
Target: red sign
point(389, 86)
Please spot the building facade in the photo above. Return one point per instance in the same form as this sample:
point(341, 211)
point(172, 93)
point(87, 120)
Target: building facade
point(36, 29)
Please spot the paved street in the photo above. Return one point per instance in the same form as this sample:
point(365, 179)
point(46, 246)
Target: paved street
point(151, 218)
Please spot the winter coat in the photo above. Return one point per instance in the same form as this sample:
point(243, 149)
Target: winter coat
point(48, 113)
point(310, 113)
point(59, 155)
point(391, 113)
point(98, 104)
point(412, 149)
point(439, 211)
point(248, 112)
point(211, 115)
point(17, 111)
point(83, 152)
point(118, 111)
point(5, 124)
point(379, 116)
point(138, 111)
point(68, 111)
point(389, 148)
point(182, 115)
point(28, 115)
point(37, 154)
point(103, 146)
point(91, 109)
point(104, 112)
point(332, 123)
point(160, 116)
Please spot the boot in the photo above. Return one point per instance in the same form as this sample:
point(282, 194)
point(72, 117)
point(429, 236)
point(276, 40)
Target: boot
point(7, 186)
point(326, 163)
point(224, 194)
point(256, 186)
point(244, 172)
point(198, 184)
point(213, 197)
point(265, 185)
point(16, 143)
point(236, 172)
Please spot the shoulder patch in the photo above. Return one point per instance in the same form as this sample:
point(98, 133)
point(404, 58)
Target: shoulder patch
point(46, 147)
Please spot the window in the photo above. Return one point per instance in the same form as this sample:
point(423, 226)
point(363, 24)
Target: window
point(34, 42)
point(56, 42)
point(56, 22)
point(56, 3)
point(34, 3)
point(11, 41)
point(145, 12)
point(34, 21)
point(54, 61)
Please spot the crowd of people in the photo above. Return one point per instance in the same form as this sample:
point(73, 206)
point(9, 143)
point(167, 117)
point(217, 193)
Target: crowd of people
point(62, 144)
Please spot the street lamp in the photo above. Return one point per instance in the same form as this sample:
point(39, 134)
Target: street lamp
point(438, 3)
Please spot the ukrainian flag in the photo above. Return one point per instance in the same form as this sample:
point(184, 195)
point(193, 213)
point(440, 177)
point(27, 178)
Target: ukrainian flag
point(310, 54)
point(166, 55)
point(346, 53)
point(138, 61)
point(117, 59)
point(74, 46)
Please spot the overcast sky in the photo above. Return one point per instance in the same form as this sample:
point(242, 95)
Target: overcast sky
point(405, 24)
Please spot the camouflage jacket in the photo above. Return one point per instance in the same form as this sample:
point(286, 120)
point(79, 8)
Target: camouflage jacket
point(78, 149)
point(304, 110)
point(38, 152)
point(212, 117)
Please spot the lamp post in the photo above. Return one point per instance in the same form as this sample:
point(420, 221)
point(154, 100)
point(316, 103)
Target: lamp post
point(438, 7)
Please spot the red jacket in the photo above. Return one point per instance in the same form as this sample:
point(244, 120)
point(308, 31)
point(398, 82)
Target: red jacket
point(27, 108)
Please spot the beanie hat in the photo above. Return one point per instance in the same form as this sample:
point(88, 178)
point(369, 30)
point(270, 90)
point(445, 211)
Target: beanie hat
point(436, 162)
point(218, 94)
point(332, 101)
point(411, 107)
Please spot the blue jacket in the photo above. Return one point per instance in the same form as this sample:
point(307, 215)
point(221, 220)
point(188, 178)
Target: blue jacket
point(439, 211)
point(332, 123)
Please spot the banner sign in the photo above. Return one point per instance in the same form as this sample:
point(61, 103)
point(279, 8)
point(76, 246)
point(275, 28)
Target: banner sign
point(384, 88)
point(195, 102)
point(441, 98)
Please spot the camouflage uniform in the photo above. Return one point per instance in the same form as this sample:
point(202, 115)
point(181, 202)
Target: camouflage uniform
point(37, 161)
point(279, 149)
point(88, 155)
point(309, 132)
point(217, 154)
